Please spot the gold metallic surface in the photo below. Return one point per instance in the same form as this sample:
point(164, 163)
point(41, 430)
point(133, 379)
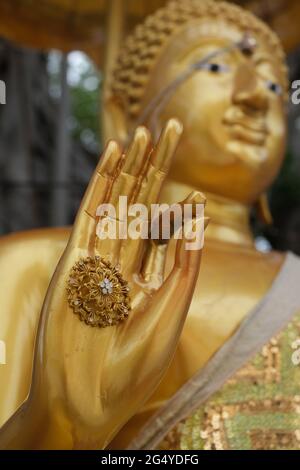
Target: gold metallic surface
point(232, 148)
point(97, 292)
point(87, 382)
point(192, 23)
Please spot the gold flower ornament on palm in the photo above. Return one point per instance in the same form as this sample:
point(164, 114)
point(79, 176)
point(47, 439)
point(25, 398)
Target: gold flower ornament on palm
point(97, 292)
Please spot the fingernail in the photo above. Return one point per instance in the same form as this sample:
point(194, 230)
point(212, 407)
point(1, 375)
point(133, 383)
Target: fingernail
point(176, 125)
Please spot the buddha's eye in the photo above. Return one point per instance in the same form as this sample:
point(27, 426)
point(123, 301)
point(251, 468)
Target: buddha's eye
point(274, 87)
point(215, 68)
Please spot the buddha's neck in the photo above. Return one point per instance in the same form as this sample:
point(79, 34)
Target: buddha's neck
point(229, 220)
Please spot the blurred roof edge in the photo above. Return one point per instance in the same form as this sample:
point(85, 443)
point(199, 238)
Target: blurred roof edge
point(81, 24)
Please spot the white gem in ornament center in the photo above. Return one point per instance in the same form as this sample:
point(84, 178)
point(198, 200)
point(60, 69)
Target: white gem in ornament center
point(106, 286)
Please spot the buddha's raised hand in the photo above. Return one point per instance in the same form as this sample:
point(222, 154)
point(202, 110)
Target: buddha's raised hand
point(106, 336)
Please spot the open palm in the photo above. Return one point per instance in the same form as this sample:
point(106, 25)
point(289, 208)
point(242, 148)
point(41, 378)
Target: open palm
point(96, 362)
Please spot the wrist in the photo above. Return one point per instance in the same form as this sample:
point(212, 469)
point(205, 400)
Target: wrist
point(35, 426)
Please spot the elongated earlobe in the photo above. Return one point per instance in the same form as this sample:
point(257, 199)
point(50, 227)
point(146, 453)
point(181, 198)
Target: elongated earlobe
point(263, 209)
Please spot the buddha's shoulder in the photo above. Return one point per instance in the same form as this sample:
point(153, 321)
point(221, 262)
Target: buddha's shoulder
point(230, 271)
point(37, 236)
point(23, 248)
point(242, 258)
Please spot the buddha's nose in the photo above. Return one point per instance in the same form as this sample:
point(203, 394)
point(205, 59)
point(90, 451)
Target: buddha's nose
point(248, 91)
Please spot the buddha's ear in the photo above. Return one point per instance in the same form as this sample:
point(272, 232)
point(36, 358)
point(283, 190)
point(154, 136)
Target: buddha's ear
point(114, 122)
point(263, 209)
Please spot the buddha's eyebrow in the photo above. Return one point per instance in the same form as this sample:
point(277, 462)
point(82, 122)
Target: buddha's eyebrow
point(264, 59)
point(214, 53)
point(204, 49)
point(261, 59)
point(261, 56)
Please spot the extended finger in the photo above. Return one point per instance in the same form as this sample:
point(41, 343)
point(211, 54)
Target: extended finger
point(189, 247)
point(133, 165)
point(165, 223)
point(84, 228)
point(168, 141)
point(159, 164)
point(102, 178)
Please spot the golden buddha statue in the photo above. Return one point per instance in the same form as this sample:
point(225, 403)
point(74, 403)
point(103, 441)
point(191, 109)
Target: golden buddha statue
point(233, 112)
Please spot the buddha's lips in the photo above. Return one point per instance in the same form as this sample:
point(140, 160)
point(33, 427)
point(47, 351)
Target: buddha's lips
point(249, 131)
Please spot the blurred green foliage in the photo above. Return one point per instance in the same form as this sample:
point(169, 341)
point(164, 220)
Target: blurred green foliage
point(84, 82)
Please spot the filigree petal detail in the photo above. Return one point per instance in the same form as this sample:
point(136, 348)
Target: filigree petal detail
point(97, 292)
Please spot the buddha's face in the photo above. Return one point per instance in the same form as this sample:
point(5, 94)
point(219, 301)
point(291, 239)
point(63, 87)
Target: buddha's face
point(233, 111)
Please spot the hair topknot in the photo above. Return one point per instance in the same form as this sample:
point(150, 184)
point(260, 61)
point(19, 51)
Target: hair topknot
point(142, 48)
